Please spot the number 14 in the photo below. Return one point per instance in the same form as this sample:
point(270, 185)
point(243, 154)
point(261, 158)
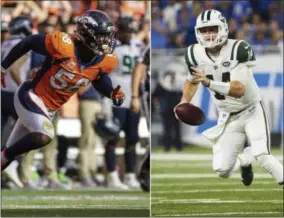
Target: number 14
point(225, 78)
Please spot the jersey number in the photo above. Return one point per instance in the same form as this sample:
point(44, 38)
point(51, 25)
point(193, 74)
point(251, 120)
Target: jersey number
point(225, 78)
point(128, 63)
point(58, 81)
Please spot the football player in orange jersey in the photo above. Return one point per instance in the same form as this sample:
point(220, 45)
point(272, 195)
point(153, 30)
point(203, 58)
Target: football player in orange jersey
point(72, 61)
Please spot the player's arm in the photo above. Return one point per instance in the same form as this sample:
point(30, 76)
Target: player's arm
point(35, 43)
point(233, 88)
point(189, 87)
point(239, 75)
point(189, 90)
point(140, 68)
point(15, 70)
point(104, 86)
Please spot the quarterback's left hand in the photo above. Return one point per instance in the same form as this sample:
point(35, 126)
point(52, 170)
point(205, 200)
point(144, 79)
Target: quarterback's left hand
point(117, 96)
point(200, 77)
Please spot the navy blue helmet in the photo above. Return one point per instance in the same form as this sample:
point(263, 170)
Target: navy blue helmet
point(95, 29)
point(107, 128)
point(21, 25)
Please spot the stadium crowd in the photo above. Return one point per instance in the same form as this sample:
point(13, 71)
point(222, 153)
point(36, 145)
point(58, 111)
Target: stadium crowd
point(258, 22)
point(47, 17)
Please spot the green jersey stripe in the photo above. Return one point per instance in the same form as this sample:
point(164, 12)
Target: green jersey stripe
point(192, 55)
point(232, 54)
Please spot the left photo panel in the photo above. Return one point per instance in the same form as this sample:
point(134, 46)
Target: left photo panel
point(75, 120)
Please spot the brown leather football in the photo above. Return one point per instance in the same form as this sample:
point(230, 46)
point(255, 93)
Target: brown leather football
point(190, 114)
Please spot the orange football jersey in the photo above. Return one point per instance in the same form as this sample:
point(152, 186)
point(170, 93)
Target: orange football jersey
point(62, 76)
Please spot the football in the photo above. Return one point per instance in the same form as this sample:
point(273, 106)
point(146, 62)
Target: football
point(190, 114)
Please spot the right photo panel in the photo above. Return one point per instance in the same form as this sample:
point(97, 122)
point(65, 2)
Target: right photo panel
point(217, 108)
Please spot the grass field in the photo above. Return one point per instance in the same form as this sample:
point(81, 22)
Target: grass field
point(183, 184)
point(75, 203)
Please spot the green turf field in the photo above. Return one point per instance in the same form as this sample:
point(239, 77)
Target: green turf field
point(75, 203)
point(183, 184)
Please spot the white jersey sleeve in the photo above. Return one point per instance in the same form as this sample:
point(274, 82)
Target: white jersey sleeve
point(7, 46)
point(190, 61)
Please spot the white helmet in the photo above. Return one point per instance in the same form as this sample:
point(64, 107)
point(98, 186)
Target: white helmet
point(211, 18)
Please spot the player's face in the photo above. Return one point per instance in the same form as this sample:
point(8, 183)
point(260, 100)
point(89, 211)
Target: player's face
point(209, 33)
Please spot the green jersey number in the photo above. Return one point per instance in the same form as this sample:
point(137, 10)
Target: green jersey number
point(225, 78)
point(128, 64)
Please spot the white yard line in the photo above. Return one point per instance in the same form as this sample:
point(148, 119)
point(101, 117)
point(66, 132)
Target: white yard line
point(201, 175)
point(78, 197)
point(213, 201)
point(188, 157)
point(221, 214)
point(185, 183)
point(116, 207)
point(221, 190)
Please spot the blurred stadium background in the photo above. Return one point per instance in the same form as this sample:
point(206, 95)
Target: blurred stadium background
point(182, 179)
point(49, 16)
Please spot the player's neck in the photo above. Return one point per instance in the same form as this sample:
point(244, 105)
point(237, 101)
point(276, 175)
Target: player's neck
point(216, 50)
point(85, 54)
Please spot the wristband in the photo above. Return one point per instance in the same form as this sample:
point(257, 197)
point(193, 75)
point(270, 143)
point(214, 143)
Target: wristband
point(134, 97)
point(220, 87)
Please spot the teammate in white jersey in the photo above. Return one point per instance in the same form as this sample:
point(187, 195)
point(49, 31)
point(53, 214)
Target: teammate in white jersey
point(128, 49)
point(18, 28)
point(224, 66)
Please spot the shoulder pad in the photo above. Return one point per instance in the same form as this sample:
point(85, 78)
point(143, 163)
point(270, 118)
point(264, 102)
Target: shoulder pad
point(59, 44)
point(190, 57)
point(109, 63)
point(242, 52)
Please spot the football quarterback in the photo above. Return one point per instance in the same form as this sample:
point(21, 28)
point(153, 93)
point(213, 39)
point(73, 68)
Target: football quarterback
point(224, 66)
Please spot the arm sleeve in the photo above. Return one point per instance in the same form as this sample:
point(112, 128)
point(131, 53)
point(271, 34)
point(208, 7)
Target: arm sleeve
point(241, 73)
point(190, 61)
point(103, 85)
point(245, 54)
point(34, 43)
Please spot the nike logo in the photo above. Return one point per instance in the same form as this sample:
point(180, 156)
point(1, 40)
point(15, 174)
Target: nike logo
point(246, 47)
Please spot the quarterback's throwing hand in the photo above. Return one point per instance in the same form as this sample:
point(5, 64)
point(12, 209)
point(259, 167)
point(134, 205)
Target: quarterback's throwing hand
point(117, 96)
point(200, 77)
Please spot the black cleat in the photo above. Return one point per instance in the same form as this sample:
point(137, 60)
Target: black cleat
point(247, 175)
point(144, 179)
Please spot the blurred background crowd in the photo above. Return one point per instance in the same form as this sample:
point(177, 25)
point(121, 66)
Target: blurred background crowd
point(258, 22)
point(48, 167)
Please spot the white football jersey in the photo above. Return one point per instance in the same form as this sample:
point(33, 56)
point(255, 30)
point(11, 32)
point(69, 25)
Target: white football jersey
point(121, 75)
point(7, 46)
point(233, 54)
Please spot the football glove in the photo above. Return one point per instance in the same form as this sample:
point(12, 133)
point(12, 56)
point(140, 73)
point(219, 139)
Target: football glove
point(117, 96)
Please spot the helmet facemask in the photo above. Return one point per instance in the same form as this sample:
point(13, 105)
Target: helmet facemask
point(210, 40)
point(99, 43)
point(216, 20)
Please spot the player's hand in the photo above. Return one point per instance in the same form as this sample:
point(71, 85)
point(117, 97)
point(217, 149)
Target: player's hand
point(3, 79)
point(181, 102)
point(135, 105)
point(200, 77)
point(117, 96)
